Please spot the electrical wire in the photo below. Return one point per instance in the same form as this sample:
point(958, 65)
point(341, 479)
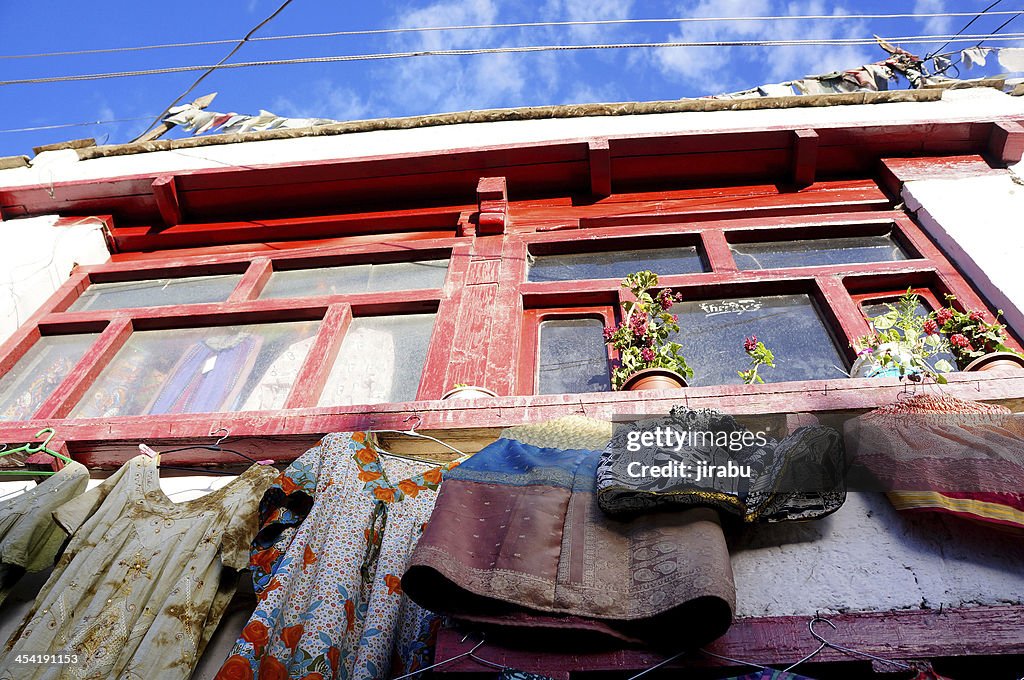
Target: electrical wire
point(535, 24)
point(70, 125)
point(966, 26)
point(920, 39)
point(219, 64)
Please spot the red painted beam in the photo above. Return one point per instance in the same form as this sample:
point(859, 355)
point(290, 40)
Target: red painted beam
point(1006, 143)
point(165, 192)
point(253, 281)
point(600, 167)
point(805, 157)
point(108, 442)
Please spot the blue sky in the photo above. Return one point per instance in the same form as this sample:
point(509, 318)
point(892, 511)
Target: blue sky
point(356, 90)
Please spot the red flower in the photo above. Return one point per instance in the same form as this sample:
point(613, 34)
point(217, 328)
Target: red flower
point(271, 587)
point(930, 327)
point(291, 635)
point(350, 615)
point(958, 340)
point(974, 316)
point(334, 657)
point(308, 557)
point(666, 299)
point(609, 331)
point(647, 354)
point(272, 669)
point(386, 495)
point(257, 634)
point(264, 559)
point(432, 476)
point(237, 667)
point(944, 315)
point(288, 485)
point(409, 488)
point(393, 583)
point(750, 344)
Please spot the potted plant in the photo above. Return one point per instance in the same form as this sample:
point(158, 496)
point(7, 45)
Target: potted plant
point(466, 391)
point(976, 344)
point(648, 360)
point(903, 344)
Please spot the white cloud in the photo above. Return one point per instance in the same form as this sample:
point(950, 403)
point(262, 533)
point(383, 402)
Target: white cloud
point(712, 70)
point(933, 25)
point(325, 99)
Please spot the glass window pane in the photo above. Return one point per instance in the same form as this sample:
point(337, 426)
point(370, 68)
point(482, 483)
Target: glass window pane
point(873, 309)
point(201, 370)
point(157, 292)
point(817, 252)
point(381, 360)
point(616, 265)
point(35, 376)
point(356, 278)
point(572, 357)
point(712, 333)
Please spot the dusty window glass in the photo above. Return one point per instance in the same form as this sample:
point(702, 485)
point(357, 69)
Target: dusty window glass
point(817, 252)
point(873, 309)
point(615, 265)
point(35, 376)
point(201, 370)
point(572, 357)
point(356, 278)
point(712, 333)
point(156, 292)
point(381, 360)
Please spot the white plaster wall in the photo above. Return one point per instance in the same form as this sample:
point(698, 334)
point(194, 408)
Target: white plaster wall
point(979, 222)
point(36, 258)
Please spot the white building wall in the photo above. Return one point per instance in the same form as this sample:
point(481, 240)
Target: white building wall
point(865, 557)
point(36, 258)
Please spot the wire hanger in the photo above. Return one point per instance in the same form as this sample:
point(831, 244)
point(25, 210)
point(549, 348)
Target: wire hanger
point(846, 650)
point(471, 654)
point(216, 446)
point(29, 448)
point(411, 432)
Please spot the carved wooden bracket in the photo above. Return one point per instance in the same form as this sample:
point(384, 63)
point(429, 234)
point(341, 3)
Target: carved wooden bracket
point(165, 191)
point(492, 203)
point(1006, 142)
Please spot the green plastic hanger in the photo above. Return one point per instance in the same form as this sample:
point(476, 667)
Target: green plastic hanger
point(30, 448)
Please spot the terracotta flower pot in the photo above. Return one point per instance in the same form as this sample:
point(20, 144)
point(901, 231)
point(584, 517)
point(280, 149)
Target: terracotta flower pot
point(997, 361)
point(468, 392)
point(654, 379)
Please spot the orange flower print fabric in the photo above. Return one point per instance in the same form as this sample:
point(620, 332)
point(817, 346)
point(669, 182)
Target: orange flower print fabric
point(337, 530)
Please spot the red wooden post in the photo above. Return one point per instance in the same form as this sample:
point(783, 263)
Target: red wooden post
point(492, 203)
point(600, 160)
point(165, 193)
point(253, 281)
point(718, 252)
point(805, 157)
point(1006, 142)
point(316, 368)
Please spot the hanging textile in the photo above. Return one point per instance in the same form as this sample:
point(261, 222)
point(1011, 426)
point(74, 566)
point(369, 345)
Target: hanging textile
point(943, 454)
point(29, 537)
point(517, 543)
point(142, 583)
point(209, 376)
point(337, 528)
point(798, 478)
point(1012, 58)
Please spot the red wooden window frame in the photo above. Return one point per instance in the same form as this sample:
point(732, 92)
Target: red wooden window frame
point(838, 290)
point(532, 320)
point(485, 312)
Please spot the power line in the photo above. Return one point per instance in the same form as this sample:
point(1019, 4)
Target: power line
point(220, 63)
point(966, 26)
point(536, 24)
point(921, 39)
point(70, 125)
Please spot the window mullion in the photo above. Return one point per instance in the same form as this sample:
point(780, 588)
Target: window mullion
point(253, 281)
point(81, 377)
point(316, 368)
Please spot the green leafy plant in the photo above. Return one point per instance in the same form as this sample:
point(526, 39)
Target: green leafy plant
point(759, 356)
point(905, 341)
point(642, 337)
point(970, 336)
